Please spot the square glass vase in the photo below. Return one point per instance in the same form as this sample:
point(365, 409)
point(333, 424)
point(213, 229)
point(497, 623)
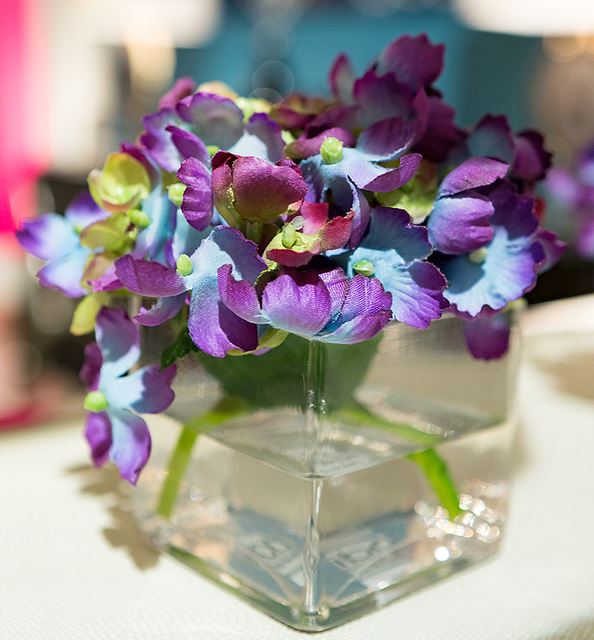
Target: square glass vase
point(320, 482)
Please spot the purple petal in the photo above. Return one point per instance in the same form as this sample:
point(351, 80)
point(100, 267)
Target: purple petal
point(413, 60)
point(362, 210)
point(197, 203)
point(585, 240)
point(119, 341)
point(181, 88)
point(189, 145)
point(299, 303)
point(337, 283)
point(492, 138)
point(215, 119)
point(417, 298)
point(440, 133)
point(107, 281)
point(471, 174)
point(238, 295)
point(342, 79)
point(98, 435)
point(516, 213)
point(131, 446)
point(215, 329)
point(305, 147)
point(564, 187)
point(157, 140)
point(366, 310)
point(148, 278)
point(553, 249)
point(47, 237)
point(532, 159)
point(263, 139)
point(396, 178)
point(91, 368)
point(83, 211)
point(147, 390)
point(381, 98)
point(487, 338)
point(66, 272)
point(388, 139)
point(461, 224)
point(297, 110)
point(264, 191)
point(163, 310)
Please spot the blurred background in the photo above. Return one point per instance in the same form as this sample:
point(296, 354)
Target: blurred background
point(76, 76)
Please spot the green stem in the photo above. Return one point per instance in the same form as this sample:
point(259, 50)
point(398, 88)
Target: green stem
point(439, 478)
point(429, 461)
point(227, 408)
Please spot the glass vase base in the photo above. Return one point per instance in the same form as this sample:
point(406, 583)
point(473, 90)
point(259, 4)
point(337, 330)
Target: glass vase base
point(315, 553)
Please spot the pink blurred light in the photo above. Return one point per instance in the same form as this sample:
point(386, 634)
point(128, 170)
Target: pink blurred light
point(23, 109)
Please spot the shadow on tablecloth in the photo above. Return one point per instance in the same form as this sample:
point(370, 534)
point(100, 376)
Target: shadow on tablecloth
point(580, 630)
point(123, 532)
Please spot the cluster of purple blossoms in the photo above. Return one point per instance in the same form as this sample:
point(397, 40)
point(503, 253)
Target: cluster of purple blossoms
point(574, 189)
point(325, 218)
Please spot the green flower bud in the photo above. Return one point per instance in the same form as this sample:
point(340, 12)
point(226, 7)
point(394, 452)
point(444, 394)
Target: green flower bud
point(184, 265)
point(364, 268)
point(331, 150)
point(289, 237)
point(212, 149)
point(175, 193)
point(478, 256)
point(95, 401)
point(139, 218)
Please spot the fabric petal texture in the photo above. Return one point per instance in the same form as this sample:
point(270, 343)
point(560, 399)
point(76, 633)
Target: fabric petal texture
point(119, 341)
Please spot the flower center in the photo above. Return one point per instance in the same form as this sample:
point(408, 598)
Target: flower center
point(478, 256)
point(331, 150)
point(95, 401)
point(364, 268)
point(184, 265)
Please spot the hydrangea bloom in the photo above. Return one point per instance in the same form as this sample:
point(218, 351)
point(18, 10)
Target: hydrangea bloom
point(327, 218)
point(113, 428)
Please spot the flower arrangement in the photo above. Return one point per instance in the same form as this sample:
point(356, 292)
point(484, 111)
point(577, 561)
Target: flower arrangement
point(243, 222)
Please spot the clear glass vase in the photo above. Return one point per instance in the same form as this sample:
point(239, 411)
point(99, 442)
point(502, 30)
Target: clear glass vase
point(320, 482)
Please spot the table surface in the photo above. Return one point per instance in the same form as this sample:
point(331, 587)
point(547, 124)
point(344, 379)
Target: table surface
point(73, 565)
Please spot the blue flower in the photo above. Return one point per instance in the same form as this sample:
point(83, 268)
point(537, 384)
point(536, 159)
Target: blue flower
point(113, 428)
point(56, 239)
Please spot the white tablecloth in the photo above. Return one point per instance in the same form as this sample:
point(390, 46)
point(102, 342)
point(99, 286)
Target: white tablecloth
point(73, 567)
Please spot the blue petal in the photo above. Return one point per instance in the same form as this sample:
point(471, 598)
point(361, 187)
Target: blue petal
point(152, 240)
point(213, 327)
point(49, 236)
point(508, 271)
point(65, 273)
point(131, 445)
point(147, 390)
point(119, 341)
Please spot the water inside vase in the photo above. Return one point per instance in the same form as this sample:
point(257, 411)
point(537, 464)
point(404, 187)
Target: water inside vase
point(315, 551)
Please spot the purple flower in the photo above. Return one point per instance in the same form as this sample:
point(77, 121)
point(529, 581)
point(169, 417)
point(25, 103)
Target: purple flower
point(488, 336)
point(56, 239)
point(325, 306)
point(460, 219)
point(253, 189)
point(349, 170)
point(213, 328)
point(394, 251)
point(524, 152)
point(504, 267)
point(175, 133)
point(113, 428)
